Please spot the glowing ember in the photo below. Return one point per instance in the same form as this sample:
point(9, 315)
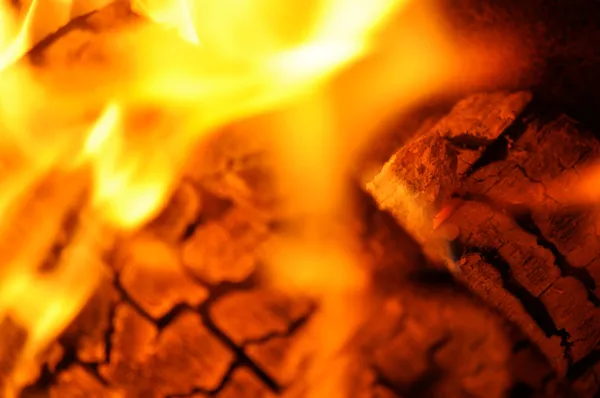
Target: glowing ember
point(236, 59)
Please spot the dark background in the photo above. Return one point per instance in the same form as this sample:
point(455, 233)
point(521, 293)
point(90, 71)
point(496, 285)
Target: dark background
point(557, 43)
point(561, 37)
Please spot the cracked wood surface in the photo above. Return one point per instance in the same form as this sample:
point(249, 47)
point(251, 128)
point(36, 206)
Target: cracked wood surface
point(517, 243)
point(558, 269)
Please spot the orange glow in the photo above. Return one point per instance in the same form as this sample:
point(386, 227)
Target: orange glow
point(14, 41)
point(192, 67)
point(582, 187)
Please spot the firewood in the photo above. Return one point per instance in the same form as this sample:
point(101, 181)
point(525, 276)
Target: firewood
point(233, 242)
point(183, 358)
point(562, 234)
point(543, 153)
point(254, 315)
point(521, 249)
point(423, 174)
point(263, 323)
point(428, 169)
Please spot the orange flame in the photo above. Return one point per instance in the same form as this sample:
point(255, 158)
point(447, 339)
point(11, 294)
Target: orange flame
point(175, 14)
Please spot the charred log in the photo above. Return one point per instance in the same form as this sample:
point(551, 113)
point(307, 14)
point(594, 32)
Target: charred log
point(517, 246)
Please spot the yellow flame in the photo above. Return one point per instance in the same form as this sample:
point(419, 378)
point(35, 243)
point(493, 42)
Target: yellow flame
point(174, 14)
point(13, 44)
point(128, 187)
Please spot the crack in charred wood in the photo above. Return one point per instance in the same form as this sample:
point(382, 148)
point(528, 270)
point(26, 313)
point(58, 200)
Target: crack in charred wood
point(243, 359)
point(586, 363)
point(291, 330)
point(223, 384)
point(529, 177)
point(130, 301)
point(467, 141)
point(522, 215)
point(108, 334)
point(81, 22)
point(583, 155)
point(435, 277)
point(165, 320)
point(566, 344)
point(215, 292)
point(48, 377)
point(522, 345)
point(521, 390)
point(213, 207)
point(68, 230)
point(499, 148)
point(92, 369)
point(532, 304)
point(526, 222)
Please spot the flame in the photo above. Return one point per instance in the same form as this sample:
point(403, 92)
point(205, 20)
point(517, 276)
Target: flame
point(175, 14)
point(13, 42)
point(224, 61)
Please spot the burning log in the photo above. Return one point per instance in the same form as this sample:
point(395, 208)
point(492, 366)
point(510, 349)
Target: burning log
point(517, 243)
point(426, 171)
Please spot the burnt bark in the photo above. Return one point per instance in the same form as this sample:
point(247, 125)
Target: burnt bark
point(516, 243)
point(549, 246)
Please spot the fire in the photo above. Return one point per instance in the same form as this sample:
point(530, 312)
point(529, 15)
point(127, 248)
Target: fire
point(221, 62)
point(175, 14)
